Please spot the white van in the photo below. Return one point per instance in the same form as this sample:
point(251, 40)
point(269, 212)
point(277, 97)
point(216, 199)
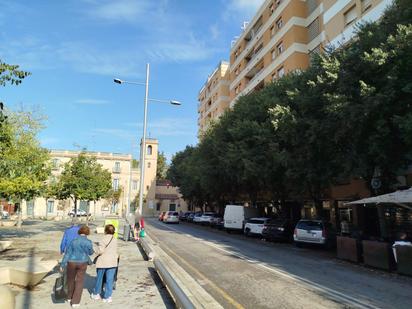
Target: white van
point(236, 216)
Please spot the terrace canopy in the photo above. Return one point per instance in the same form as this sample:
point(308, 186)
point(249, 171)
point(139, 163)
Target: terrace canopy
point(401, 198)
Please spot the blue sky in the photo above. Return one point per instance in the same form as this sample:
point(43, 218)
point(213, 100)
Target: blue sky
point(74, 49)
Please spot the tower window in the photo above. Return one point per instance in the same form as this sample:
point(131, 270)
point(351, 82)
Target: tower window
point(149, 150)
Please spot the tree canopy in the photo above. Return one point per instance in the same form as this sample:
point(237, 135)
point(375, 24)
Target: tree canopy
point(83, 178)
point(348, 115)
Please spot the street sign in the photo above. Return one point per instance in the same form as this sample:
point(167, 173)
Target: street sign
point(376, 183)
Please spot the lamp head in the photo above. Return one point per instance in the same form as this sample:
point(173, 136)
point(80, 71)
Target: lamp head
point(117, 81)
point(174, 102)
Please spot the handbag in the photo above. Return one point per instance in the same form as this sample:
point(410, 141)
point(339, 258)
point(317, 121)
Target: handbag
point(59, 290)
point(97, 256)
point(142, 233)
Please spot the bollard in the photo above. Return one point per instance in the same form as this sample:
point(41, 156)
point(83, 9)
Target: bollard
point(126, 232)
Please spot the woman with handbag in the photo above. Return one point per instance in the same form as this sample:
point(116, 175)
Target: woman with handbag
point(76, 259)
point(106, 265)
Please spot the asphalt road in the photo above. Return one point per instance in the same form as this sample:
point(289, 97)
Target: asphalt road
point(242, 272)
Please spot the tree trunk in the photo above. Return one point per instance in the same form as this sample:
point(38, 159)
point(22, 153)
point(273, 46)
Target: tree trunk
point(19, 217)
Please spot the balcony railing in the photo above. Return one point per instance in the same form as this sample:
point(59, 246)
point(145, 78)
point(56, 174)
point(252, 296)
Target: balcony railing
point(117, 170)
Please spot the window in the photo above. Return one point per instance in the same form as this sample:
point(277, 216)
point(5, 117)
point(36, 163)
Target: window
point(149, 164)
point(149, 150)
point(134, 184)
point(311, 5)
point(280, 48)
point(281, 72)
point(237, 72)
point(271, 8)
point(172, 207)
point(158, 206)
point(50, 206)
point(55, 164)
point(273, 54)
point(279, 23)
point(147, 187)
point(116, 168)
point(366, 4)
point(84, 205)
point(350, 15)
point(115, 184)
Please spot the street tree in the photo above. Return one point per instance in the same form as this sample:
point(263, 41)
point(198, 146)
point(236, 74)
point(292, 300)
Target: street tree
point(83, 178)
point(24, 164)
point(162, 166)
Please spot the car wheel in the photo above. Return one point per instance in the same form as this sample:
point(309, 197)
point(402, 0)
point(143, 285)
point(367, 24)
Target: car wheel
point(228, 231)
point(247, 232)
point(298, 244)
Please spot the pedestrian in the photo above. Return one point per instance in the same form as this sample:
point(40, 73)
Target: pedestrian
point(75, 261)
point(106, 265)
point(69, 234)
point(138, 227)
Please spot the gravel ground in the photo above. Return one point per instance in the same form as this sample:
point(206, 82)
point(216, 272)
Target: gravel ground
point(138, 285)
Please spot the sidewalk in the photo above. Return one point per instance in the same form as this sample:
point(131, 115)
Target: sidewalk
point(138, 285)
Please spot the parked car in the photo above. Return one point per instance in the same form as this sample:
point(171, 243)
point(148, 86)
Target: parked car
point(254, 226)
point(80, 213)
point(190, 217)
point(196, 218)
point(171, 217)
point(278, 230)
point(162, 215)
point(217, 221)
point(314, 232)
point(206, 218)
point(4, 215)
point(236, 216)
point(184, 216)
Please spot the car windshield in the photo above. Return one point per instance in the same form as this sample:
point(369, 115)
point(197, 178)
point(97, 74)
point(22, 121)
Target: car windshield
point(257, 221)
point(310, 225)
point(175, 214)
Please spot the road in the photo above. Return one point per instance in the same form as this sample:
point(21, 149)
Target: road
point(242, 272)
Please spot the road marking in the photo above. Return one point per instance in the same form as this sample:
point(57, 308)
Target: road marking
point(224, 294)
point(334, 295)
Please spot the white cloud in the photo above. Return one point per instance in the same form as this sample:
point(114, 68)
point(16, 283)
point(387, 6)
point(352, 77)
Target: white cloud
point(92, 101)
point(119, 10)
point(167, 127)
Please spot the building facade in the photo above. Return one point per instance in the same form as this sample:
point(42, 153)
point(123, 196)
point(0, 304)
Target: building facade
point(124, 178)
point(168, 198)
point(281, 38)
point(214, 96)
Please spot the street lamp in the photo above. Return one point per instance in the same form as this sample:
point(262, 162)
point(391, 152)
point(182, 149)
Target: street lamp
point(143, 149)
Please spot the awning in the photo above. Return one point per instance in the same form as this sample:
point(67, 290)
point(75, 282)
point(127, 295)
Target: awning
point(401, 198)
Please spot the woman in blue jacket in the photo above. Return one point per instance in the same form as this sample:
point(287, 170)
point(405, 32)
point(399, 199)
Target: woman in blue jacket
point(76, 259)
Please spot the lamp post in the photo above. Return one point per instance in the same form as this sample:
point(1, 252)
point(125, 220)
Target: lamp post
point(143, 148)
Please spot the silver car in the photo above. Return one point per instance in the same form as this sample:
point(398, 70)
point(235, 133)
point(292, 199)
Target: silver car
point(310, 231)
point(171, 217)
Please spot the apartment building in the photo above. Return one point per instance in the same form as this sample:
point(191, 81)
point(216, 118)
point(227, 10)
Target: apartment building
point(124, 177)
point(282, 37)
point(284, 34)
point(214, 96)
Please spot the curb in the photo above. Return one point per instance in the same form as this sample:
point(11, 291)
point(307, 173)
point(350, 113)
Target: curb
point(184, 289)
point(147, 247)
